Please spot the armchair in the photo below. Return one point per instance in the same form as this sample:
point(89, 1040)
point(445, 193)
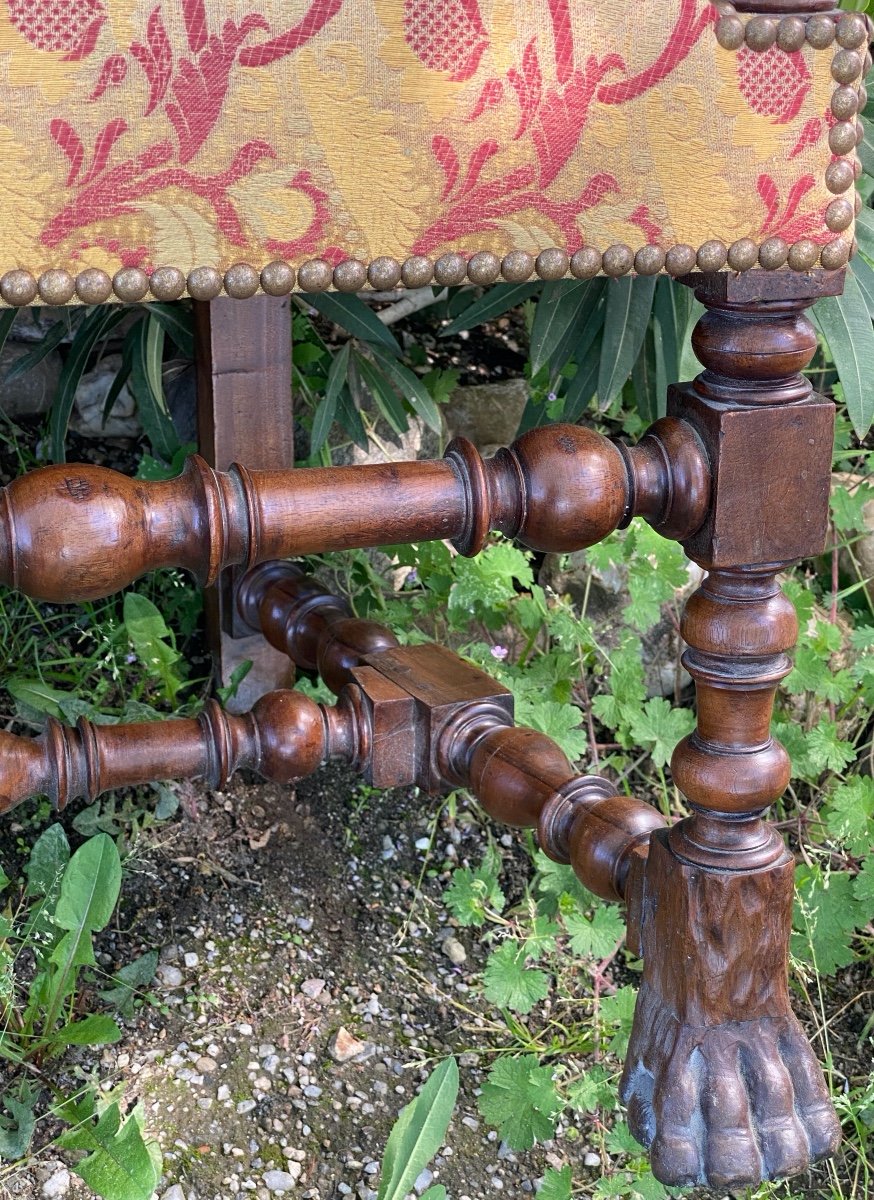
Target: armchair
point(225, 153)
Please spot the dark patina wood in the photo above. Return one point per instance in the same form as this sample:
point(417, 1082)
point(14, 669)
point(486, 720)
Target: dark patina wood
point(80, 532)
point(720, 1081)
point(245, 414)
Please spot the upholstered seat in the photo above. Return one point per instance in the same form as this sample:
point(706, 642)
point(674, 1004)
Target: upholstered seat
point(335, 142)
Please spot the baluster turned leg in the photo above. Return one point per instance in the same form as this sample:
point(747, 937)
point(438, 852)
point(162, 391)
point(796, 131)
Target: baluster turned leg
point(720, 1079)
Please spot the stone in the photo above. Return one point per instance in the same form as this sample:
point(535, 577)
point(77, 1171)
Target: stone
point(57, 1184)
point(279, 1181)
point(31, 394)
point(454, 951)
point(591, 1159)
point(206, 1065)
point(87, 416)
point(173, 1193)
point(170, 976)
point(313, 988)
point(345, 1047)
point(191, 959)
point(423, 1181)
point(487, 414)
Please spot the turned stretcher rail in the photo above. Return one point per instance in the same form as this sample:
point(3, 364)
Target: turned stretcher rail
point(404, 715)
point(72, 533)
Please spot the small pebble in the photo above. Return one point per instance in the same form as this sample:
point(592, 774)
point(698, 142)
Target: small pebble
point(313, 988)
point(279, 1181)
point(592, 1159)
point(58, 1185)
point(170, 976)
point(424, 1181)
point(191, 959)
point(454, 951)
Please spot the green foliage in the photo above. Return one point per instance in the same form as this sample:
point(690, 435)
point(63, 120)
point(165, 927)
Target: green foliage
point(472, 895)
point(119, 1164)
point(520, 1098)
point(418, 1133)
point(508, 983)
point(46, 955)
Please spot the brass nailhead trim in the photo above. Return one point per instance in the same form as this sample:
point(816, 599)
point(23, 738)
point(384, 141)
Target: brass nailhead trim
point(277, 278)
point(56, 287)
point(167, 283)
point(241, 281)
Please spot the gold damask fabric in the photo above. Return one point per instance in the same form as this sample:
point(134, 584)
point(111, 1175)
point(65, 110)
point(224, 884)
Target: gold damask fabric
point(192, 133)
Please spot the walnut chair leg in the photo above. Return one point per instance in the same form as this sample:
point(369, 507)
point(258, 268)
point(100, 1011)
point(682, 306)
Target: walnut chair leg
point(244, 412)
point(720, 1080)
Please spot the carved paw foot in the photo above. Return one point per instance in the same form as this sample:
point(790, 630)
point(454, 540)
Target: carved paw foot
point(727, 1105)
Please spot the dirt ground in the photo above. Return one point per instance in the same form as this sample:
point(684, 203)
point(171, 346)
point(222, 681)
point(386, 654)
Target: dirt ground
point(281, 919)
point(277, 927)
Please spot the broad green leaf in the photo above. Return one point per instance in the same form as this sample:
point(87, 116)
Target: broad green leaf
point(354, 316)
point(592, 1090)
point(508, 983)
point(95, 325)
point(93, 1030)
point(152, 641)
point(595, 936)
point(437, 1192)
point(16, 1129)
point(659, 727)
point(556, 1184)
point(33, 693)
point(849, 814)
point(128, 980)
point(825, 916)
point(411, 388)
point(520, 1099)
point(496, 300)
point(90, 886)
point(562, 310)
point(119, 1165)
point(845, 324)
point(629, 304)
point(147, 385)
point(618, 1011)
point(471, 895)
point(418, 1132)
point(48, 861)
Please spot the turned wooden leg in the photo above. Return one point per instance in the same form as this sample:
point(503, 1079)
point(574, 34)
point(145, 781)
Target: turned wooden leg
point(720, 1080)
point(244, 414)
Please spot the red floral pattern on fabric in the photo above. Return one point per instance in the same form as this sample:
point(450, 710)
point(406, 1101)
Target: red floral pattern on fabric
point(773, 82)
point(70, 26)
point(179, 107)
